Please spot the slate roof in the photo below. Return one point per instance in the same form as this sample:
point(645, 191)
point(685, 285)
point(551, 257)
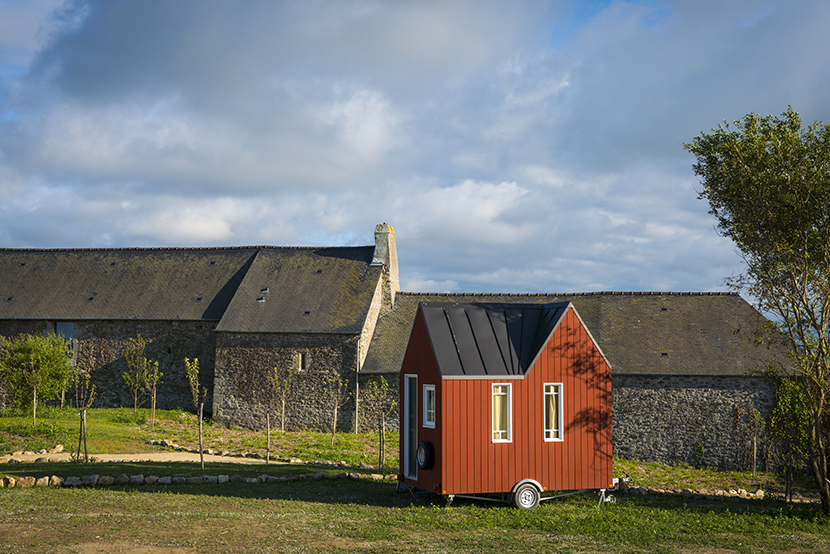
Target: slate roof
point(489, 340)
point(213, 284)
point(663, 333)
point(321, 290)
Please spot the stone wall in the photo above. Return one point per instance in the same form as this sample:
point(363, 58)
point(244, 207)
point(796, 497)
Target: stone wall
point(370, 425)
point(100, 347)
point(696, 420)
point(242, 389)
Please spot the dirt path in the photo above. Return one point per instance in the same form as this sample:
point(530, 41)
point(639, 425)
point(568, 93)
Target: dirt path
point(142, 457)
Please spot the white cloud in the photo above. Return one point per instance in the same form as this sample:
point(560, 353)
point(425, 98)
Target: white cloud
point(365, 123)
point(187, 222)
point(514, 147)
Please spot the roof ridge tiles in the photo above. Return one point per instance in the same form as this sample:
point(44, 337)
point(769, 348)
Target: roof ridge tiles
point(596, 293)
point(176, 248)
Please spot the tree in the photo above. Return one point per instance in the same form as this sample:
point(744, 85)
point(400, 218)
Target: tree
point(33, 368)
point(85, 394)
point(378, 404)
point(338, 393)
point(192, 370)
point(280, 382)
point(138, 369)
point(767, 181)
point(281, 385)
point(788, 430)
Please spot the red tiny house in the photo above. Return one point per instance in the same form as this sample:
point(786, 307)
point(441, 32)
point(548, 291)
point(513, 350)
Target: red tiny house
point(522, 394)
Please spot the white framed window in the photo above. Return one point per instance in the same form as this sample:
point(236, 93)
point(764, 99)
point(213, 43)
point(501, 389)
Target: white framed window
point(502, 413)
point(429, 406)
point(553, 412)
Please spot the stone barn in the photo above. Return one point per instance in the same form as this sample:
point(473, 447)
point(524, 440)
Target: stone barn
point(683, 367)
point(241, 311)
point(682, 363)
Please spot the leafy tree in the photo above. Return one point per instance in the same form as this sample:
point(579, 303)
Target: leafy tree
point(788, 430)
point(138, 369)
point(33, 368)
point(199, 397)
point(767, 181)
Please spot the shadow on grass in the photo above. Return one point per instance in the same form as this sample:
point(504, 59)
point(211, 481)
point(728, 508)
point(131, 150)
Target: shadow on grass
point(301, 486)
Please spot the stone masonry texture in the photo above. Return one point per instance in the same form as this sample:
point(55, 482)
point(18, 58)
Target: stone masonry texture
point(696, 420)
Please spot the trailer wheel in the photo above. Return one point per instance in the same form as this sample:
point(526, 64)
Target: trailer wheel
point(425, 455)
point(526, 497)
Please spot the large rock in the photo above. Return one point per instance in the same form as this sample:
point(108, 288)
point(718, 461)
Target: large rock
point(55, 481)
point(89, 479)
point(122, 479)
point(136, 479)
point(42, 482)
point(72, 482)
point(25, 482)
point(151, 479)
point(165, 480)
point(106, 480)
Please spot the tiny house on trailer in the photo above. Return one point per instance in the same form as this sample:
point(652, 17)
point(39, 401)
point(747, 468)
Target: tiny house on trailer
point(513, 399)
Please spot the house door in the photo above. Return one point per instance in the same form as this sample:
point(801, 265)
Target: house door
point(410, 443)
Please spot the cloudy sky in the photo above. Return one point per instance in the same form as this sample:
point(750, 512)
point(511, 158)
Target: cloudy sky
point(517, 146)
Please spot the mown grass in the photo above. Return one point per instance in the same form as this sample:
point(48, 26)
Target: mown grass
point(358, 515)
point(368, 516)
point(118, 431)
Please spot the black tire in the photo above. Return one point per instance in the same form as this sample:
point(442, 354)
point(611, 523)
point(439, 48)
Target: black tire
point(425, 455)
point(526, 497)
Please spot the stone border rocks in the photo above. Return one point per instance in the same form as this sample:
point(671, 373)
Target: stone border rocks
point(93, 480)
point(714, 494)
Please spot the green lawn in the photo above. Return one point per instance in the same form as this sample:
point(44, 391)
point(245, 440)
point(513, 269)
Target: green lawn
point(355, 515)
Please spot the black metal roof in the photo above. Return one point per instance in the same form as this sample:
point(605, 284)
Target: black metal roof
point(489, 340)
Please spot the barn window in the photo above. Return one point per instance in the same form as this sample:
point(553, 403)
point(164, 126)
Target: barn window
point(66, 330)
point(553, 411)
point(429, 406)
point(501, 413)
point(301, 361)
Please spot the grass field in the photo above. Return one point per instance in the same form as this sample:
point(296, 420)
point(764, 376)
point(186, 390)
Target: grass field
point(362, 515)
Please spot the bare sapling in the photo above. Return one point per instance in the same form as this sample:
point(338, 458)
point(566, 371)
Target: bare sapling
point(378, 404)
point(152, 381)
point(339, 395)
point(85, 395)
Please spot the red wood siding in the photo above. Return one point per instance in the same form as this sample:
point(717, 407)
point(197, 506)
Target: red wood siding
point(420, 361)
point(466, 459)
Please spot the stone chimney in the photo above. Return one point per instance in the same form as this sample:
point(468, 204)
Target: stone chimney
point(387, 256)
